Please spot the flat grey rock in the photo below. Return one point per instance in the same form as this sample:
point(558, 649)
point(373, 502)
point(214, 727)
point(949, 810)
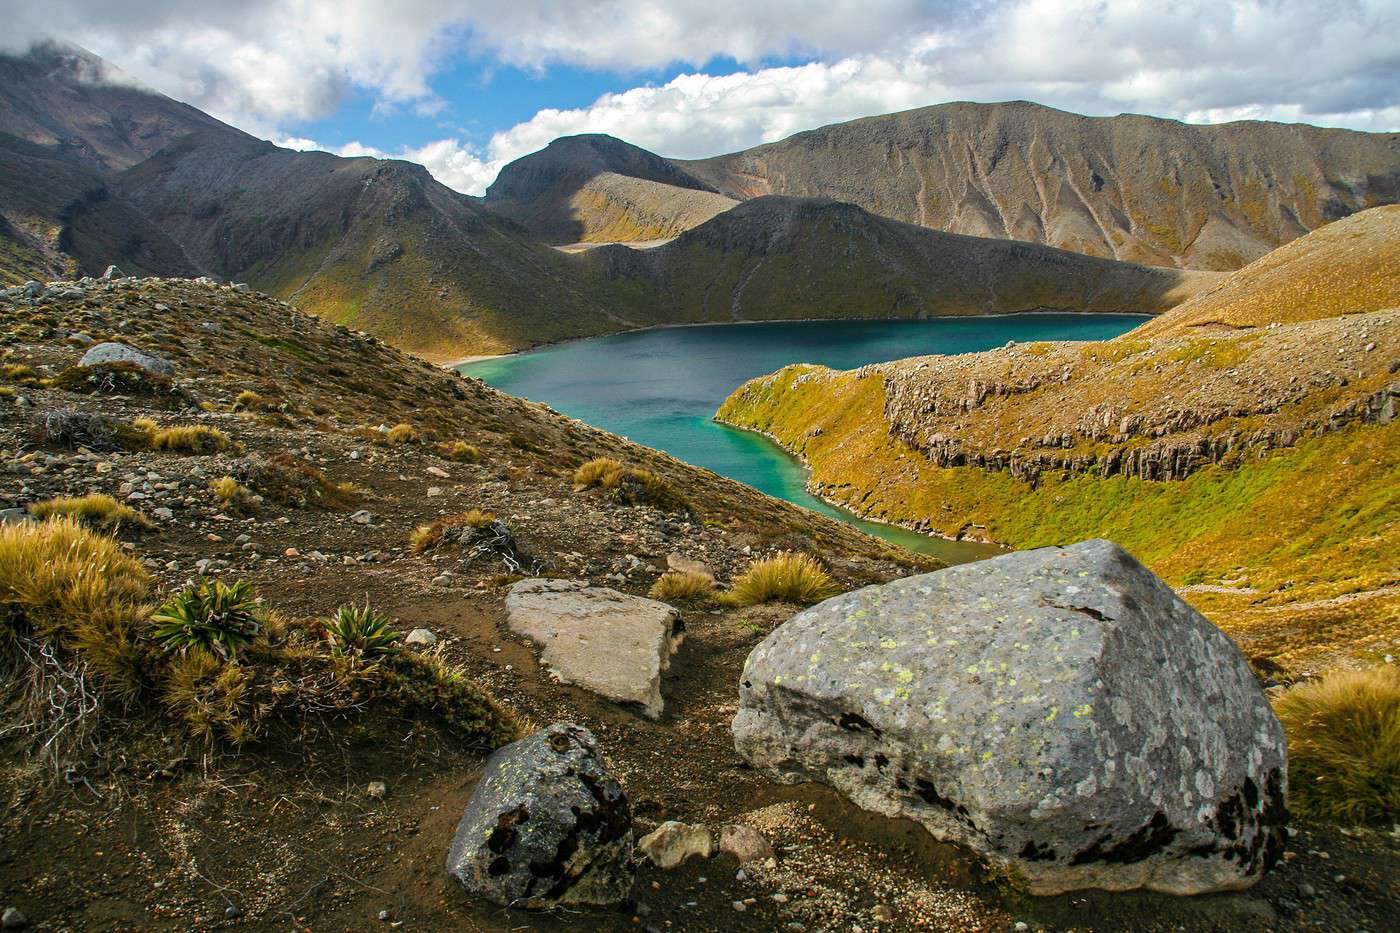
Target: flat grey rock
point(110, 352)
point(605, 641)
point(546, 825)
point(1060, 711)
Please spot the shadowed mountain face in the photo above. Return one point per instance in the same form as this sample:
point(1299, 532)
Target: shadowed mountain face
point(87, 112)
point(773, 258)
point(1131, 187)
point(594, 188)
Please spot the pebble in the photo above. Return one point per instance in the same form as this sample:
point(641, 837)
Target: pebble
point(384, 915)
point(740, 906)
point(13, 919)
point(231, 912)
point(1022, 926)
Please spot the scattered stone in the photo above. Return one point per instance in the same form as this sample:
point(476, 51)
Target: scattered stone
point(105, 353)
point(605, 641)
point(437, 471)
point(442, 579)
point(682, 564)
point(546, 825)
point(112, 272)
point(231, 912)
point(362, 517)
point(744, 843)
point(13, 919)
point(1052, 720)
point(377, 790)
point(673, 842)
point(384, 916)
point(15, 516)
point(421, 636)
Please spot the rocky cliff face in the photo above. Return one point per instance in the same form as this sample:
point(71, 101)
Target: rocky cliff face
point(1131, 187)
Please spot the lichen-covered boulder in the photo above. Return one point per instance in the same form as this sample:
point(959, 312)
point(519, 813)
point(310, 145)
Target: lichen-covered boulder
point(546, 825)
point(1060, 711)
point(105, 354)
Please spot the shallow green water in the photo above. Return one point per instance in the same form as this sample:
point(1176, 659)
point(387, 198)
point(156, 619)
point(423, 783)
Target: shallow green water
point(661, 387)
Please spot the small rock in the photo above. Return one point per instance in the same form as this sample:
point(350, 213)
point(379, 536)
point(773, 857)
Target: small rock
point(744, 843)
point(15, 516)
point(439, 472)
point(547, 824)
point(442, 579)
point(13, 919)
point(421, 636)
point(1021, 926)
point(231, 912)
point(112, 272)
point(291, 552)
point(362, 517)
point(683, 564)
point(384, 915)
point(377, 790)
point(1307, 890)
point(673, 842)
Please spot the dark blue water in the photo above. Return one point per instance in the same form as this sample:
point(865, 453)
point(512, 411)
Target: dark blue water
point(662, 387)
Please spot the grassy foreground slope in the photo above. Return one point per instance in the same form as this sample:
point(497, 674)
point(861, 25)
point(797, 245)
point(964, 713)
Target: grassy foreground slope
point(1258, 470)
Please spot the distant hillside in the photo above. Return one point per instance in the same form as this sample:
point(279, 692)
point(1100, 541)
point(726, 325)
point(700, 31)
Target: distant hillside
point(1257, 467)
point(1348, 267)
point(776, 257)
point(595, 188)
point(87, 111)
point(377, 245)
point(1133, 187)
point(60, 219)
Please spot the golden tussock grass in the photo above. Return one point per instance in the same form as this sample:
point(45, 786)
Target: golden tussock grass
point(682, 585)
point(1344, 745)
point(785, 577)
point(97, 511)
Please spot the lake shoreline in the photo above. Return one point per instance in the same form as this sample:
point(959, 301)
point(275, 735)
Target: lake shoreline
point(483, 357)
point(798, 458)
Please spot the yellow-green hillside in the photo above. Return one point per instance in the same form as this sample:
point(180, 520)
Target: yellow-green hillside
point(1258, 470)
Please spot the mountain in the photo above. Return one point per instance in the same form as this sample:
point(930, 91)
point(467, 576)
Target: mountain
point(594, 188)
point(374, 244)
point(58, 219)
point(87, 111)
point(1255, 466)
point(778, 257)
point(1351, 266)
point(1130, 187)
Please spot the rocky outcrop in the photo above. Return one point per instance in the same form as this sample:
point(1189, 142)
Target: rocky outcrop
point(547, 825)
point(1060, 711)
point(603, 640)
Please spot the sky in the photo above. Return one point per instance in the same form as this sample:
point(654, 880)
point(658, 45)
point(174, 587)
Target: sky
point(464, 87)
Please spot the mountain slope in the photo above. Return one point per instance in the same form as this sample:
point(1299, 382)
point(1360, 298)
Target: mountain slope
point(58, 218)
point(594, 188)
point(87, 111)
point(1350, 266)
point(375, 244)
point(1132, 187)
point(1259, 468)
point(774, 258)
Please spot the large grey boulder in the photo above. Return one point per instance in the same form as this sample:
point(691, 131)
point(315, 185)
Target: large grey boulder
point(110, 352)
point(1060, 711)
point(546, 825)
point(614, 644)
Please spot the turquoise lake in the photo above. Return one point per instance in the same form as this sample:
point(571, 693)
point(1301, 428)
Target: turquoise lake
point(661, 387)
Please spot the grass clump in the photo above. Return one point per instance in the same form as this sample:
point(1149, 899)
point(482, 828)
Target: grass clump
point(628, 485)
point(96, 511)
point(461, 452)
point(210, 616)
point(683, 585)
point(426, 537)
point(360, 633)
point(191, 439)
point(786, 577)
point(233, 495)
point(1344, 745)
point(401, 434)
point(113, 379)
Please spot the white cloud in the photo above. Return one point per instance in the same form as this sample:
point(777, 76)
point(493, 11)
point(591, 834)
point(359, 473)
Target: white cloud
point(268, 64)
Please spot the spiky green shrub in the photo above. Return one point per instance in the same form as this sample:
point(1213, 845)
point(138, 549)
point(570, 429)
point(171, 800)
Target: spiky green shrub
point(207, 615)
point(96, 511)
point(361, 633)
point(1344, 745)
point(785, 577)
point(677, 585)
